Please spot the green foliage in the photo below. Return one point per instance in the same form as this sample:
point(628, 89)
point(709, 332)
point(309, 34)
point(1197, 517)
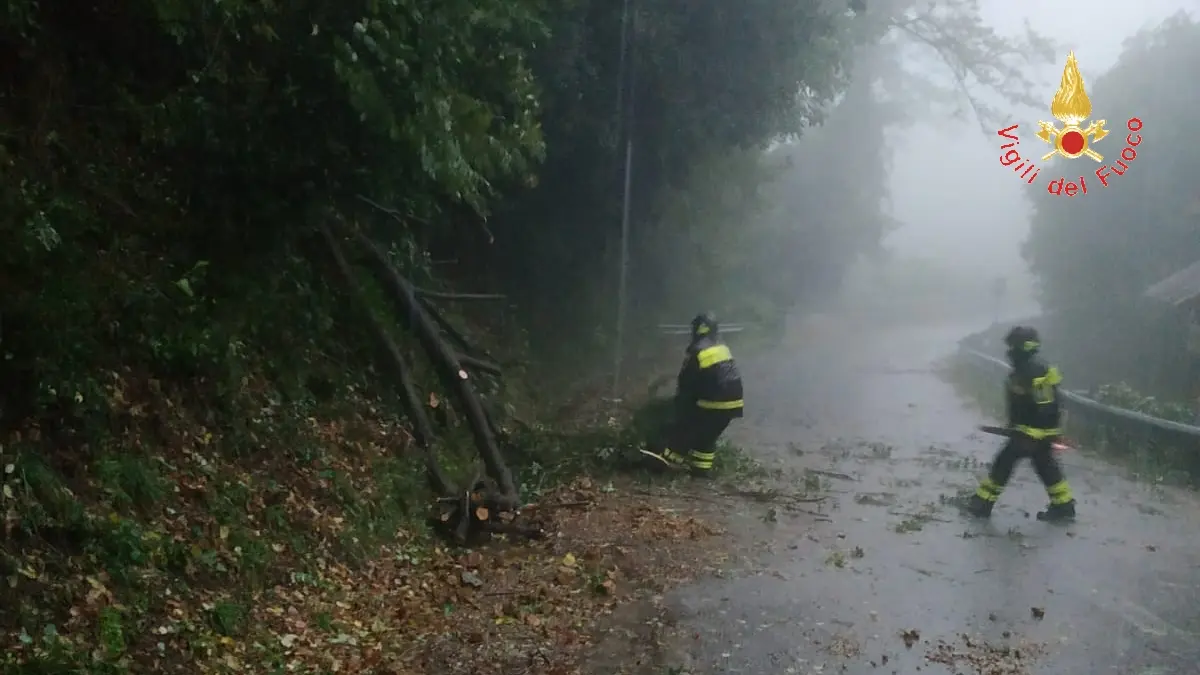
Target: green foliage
point(753, 231)
point(1094, 257)
point(1124, 396)
point(705, 242)
point(1093, 253)
point(165, 160)
point(711, 80)
point(130, 480)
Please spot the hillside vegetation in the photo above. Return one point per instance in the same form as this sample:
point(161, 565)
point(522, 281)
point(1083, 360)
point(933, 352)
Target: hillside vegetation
point(236, 368)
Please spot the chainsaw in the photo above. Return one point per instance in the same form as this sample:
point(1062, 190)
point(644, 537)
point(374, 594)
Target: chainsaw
point(1057, 446)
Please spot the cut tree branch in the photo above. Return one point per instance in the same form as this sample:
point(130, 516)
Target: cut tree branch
point(404, 295)
point(438, 295)
point(402, 218)
point(472, 363)
point(456, 336)
point(394, 361)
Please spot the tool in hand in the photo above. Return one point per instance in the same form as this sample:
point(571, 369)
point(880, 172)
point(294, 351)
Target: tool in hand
point(1057, 446)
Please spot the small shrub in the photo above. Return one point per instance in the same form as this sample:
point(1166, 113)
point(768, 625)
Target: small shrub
point(130, 480)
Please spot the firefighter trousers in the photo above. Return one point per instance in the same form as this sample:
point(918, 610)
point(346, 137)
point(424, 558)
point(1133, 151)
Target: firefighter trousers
point(1041, 453)
point(692, 438)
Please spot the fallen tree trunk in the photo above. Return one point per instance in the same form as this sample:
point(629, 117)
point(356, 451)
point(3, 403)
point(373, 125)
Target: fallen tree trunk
point(404, 295)
point(394, 362)
point(479, 364)
point(440, 295)
point(456, 336)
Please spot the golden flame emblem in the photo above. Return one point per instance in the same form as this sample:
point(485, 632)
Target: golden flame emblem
point(1071, 106)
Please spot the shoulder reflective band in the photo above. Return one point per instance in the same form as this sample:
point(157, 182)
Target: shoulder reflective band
point(713, 355)
point(720, 405)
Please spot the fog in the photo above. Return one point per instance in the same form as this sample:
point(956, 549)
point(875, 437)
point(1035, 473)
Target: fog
point(954, 205)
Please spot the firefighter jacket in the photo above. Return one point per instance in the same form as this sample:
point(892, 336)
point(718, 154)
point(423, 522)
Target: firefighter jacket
point(709, 378)
point(1032, 398)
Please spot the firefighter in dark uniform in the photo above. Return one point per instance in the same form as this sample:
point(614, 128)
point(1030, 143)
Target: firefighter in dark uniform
point(708, 397)
point(1034, 415)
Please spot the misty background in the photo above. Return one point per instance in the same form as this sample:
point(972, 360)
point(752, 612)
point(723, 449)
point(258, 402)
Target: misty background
point(360, 258)
point(955, 206)
point(784, 159)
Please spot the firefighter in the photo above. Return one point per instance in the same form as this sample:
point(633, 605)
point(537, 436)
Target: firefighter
point(1034, 417)
point(708, 397)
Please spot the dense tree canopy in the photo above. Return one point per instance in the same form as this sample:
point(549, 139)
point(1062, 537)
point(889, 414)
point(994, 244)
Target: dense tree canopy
point(1109, 245)
point(1095, 255)
point(164, 160)
point(763, 236)
point(709, 79)
point(167, 163)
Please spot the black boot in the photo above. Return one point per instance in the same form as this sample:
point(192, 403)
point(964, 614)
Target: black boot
point(1058, 513)
point(979, 507)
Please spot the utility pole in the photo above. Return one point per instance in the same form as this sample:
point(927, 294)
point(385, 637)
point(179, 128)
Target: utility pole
point(625, 100)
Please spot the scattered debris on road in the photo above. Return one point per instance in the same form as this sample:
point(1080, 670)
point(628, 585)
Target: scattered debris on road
point(875, 498)
point(845, 646)
point(832, 474)
point(984, 658)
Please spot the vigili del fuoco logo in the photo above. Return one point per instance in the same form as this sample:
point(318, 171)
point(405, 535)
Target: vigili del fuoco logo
point(1072, 107)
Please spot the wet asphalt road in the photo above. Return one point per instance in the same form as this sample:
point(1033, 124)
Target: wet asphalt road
point(834, 593)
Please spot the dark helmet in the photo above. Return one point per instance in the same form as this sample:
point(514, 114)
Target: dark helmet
point(704, 324)
point(1022, 340)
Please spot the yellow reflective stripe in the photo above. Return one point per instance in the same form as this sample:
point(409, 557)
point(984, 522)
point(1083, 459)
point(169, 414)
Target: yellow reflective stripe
point(707, 466)
point(713, 355)
point(989, 490)
point(703, 456)
point(1038, 434)
point(720, 405)
point(1043, 387)
point(1052, 377)
point(986, 495)
point(1060, 493)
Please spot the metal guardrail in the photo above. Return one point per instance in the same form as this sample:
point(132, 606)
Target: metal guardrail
point(1078, 400)
point(686, 328)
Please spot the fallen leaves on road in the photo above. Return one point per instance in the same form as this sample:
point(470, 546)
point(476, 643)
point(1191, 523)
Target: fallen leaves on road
point(845, 646)
point(984, 658)
point(505, 609)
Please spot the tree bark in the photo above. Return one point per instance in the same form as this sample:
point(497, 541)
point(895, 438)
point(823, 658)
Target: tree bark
point(479, 364)
point(394, 362)
point(404, 295)
point(456, 336)
point(438, 295)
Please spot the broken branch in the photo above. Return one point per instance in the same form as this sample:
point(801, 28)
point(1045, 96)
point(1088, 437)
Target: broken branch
point(451, 332)
point(478, 364)
point(404, 295)
point(394, 361)
point(439, 295)
point(402, 218)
